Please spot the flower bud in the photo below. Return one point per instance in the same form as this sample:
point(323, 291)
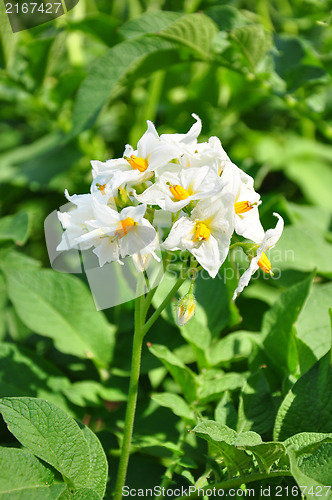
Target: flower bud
point(185, 308)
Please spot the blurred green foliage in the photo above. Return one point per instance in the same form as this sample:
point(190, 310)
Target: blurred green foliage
point(258, 73)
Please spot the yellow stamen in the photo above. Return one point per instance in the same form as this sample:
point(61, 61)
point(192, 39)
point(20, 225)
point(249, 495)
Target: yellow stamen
point(202, 232)
point(124, 227)
point(242, 206)
point(265, 264)
point(101, 188)
point(137, 163)
point(179, 192)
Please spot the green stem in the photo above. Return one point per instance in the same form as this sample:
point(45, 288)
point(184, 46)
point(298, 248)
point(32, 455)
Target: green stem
point(237, 244)
point(140, 331)
point(164, 303)
point(148, 301)
point(150, 295)
point(132, 395)
point(233, 483)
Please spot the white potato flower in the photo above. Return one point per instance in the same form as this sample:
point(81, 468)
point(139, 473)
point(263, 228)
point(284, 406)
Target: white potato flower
point(260, 260)
point(207, 233)
point(153, 153)
point(175, 188)
point(176, 175)
point(246, 215)
point(73, 222)
point(117, 234)
point(206, 153)
point(136, 166)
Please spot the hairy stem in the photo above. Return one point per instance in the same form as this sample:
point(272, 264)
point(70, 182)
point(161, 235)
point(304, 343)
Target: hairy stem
point(140, 331)
point(132, 395)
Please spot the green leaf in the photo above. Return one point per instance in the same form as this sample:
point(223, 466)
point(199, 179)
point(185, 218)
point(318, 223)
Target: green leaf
point(53, 492)
point(224, 441)
point(212, 313)
point(295, 155)
point(213, 308)
point(149, 22)
point(198, 336)
point(109, 71)
point(15, 228)
point(307, 442)
point(24, 373)
point(21, 471)
point(266, 454)
point(314, 327)
point(3, 304)
point(180, 372)
point(253, 41)
point(175, 403)
point(85, 494)
point(314, 183)
point(304, 248)
point(248, 438)
point(225, 412)
point(234, 347)
point(9, 257)
point(98, 474)
point(308, 406)
point(60, 306)
point(257, 408)
point(92, 393)
point(50, 434)
point(26, 164)
point(213, 383)
point(277, 329)
point(194, 31)
point(308, 215)
point(100, 26)
point(312, 471)
point(227, 17)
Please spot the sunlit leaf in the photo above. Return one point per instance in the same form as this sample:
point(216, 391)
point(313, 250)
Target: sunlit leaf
point(60, 306)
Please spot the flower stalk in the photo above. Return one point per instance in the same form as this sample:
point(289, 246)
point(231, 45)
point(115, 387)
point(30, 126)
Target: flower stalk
point(142, 303)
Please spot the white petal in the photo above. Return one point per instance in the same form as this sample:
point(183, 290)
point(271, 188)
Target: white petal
point(107, 251)
point(153, 195)
point(137, 240)
point(64, 243)
point(135, 213)
point(92, 237)
point(104, 215)
point(270, 239)
point(207, 254)
point(64, 218)
point(272, 235)
point(180, 234)
point(246, 276)
point(232, 179)
point(131, 177)
point(148, 141)
point(193, 133)
point(249, 225)
point(129, 150)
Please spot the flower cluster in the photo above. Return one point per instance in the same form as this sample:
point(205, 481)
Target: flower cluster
point(207, 197)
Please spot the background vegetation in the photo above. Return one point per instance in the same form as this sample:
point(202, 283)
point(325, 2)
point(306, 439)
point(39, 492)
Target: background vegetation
point(258, 73)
